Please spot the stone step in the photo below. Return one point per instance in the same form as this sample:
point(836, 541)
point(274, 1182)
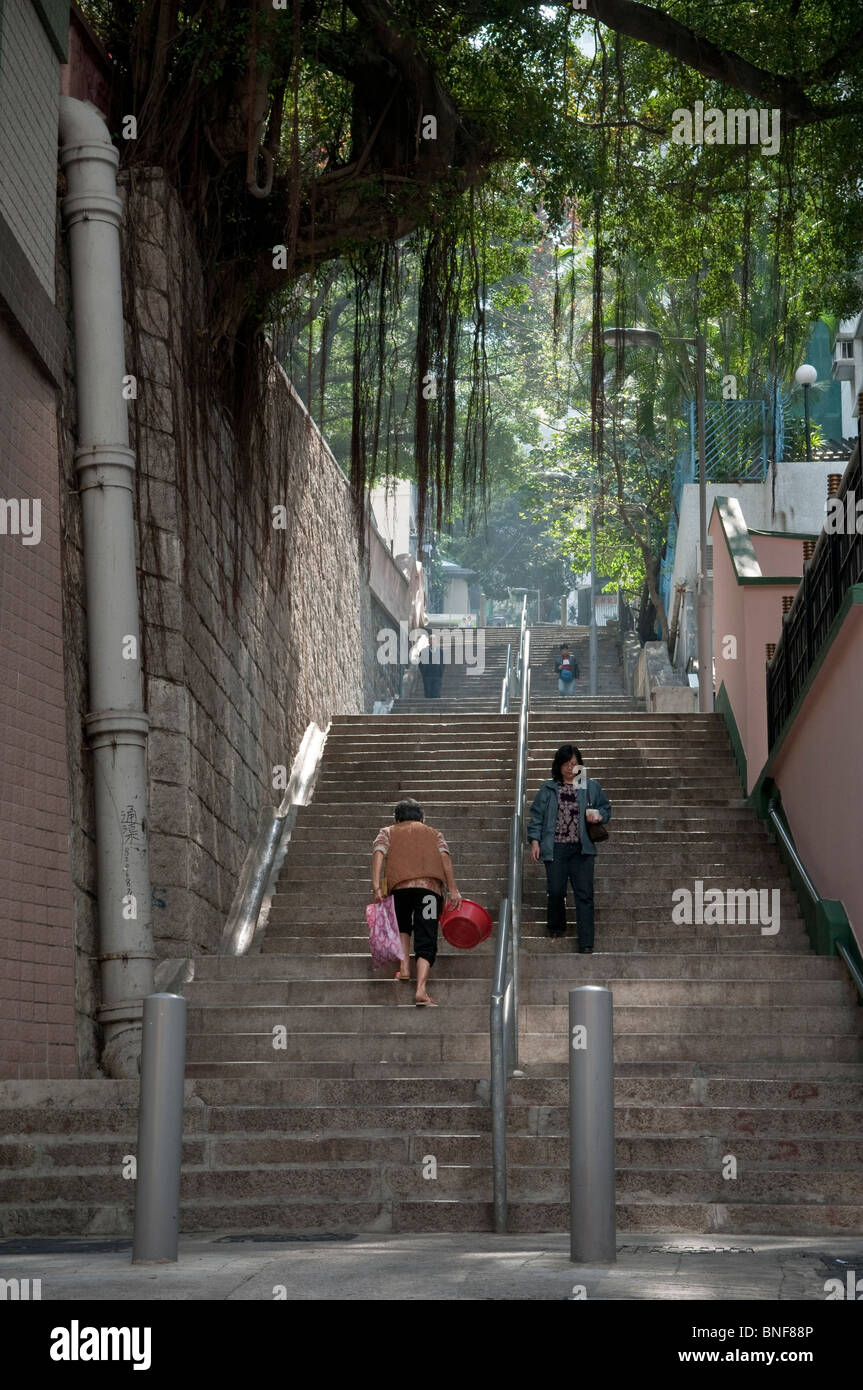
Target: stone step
point(351, 1069)
point(731, 1123)
point(731, 1088)
point(663, 931)
point(476, 990)
point(802, 993)
point(306, 1216)
point(538, 968)
point(670, 1216)
point(378, 1179)
point(689, 1017)
point(395, 1015)
point(704, 1046)
point(408, 1047)
point(404, 1048)
point(613, 882)
point(551, 1184)
point(297, 937)
point(392, 1010)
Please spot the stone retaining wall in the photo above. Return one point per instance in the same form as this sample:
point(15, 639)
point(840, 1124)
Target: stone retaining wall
point(250, 630)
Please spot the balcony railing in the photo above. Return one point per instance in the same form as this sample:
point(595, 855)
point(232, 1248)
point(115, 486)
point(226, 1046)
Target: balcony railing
point(836, 564)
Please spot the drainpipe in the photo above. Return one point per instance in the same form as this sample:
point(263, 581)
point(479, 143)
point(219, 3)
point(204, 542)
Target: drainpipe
point(116, 727)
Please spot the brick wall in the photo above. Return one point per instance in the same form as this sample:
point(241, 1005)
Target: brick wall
point(37, 1006)
point(29, 106)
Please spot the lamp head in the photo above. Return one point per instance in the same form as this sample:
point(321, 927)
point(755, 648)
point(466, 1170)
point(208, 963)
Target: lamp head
point(632, 337)
point(806, 375)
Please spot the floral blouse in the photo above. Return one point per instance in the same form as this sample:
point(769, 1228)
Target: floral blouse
point(567, 830)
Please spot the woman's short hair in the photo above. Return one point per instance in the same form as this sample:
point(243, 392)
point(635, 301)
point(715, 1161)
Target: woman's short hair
point(407, 810)
point(563, 755)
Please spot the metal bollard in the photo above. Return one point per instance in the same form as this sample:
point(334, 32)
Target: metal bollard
point(160, 1130)
point(591, 1126)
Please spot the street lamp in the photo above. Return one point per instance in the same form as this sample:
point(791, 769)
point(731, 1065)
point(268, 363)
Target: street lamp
point(593, 643)
point(647, 337)
point(806, 377)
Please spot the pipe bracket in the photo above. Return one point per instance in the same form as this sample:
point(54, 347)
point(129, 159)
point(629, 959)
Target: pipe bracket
point(127, 955)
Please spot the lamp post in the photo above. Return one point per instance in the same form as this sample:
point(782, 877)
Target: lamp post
point(592, 637)
point(648, 337)
point(593, 643)
point(806, 376)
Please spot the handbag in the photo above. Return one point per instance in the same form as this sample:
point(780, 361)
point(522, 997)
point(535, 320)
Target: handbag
point(384, 940)
point(596, 830)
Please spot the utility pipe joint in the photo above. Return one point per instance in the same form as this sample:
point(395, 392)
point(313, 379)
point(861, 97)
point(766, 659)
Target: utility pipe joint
point(115, 726)
point(92, 207)
point(105, 466)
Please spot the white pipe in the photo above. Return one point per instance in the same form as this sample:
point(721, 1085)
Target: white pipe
point(117, 725)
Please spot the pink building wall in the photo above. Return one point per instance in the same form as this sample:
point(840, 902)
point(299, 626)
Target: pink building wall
point(818, 773)
point(751, 613)
point(762, 610)
point(778, 555)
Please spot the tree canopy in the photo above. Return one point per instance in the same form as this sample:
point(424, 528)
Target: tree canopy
point(387, 168)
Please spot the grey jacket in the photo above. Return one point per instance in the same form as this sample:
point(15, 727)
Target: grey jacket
point(543, 815)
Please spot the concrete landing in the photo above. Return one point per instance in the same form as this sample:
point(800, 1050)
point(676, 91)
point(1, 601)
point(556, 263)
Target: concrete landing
point(440, 1267)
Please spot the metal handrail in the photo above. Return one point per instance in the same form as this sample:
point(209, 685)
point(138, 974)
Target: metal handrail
point(787, 841)
point(852, 966)
point(789, 845)
point(503, 1008)
point(505, 684)
point(519, 673)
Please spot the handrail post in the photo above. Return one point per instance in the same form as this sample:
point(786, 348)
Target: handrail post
point(591, 1126)
point(160, 1130)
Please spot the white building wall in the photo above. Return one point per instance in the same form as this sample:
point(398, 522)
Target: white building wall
point(29, 115)
point(797, 506)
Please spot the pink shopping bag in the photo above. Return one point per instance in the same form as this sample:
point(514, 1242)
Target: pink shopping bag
point(384, 940)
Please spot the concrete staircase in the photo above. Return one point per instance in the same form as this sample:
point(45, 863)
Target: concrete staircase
point(319, 1099)
point(464, 691)
point(728, 1042)
point(334, 1127)
point(464, 688)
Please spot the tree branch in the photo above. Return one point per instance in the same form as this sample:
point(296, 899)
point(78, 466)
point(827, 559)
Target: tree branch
point(660, 30)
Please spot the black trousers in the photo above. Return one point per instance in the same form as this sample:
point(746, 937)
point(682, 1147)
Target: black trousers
point(417, 912)
point(432, 678)
point(571, 866)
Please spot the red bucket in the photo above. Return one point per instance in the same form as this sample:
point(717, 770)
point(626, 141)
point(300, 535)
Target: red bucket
point(466, 926)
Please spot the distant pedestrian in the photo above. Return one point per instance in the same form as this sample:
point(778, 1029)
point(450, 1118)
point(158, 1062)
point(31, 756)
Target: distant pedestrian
point(566, 668)
point(431, 666)
point(557, 830)
point(419, 871)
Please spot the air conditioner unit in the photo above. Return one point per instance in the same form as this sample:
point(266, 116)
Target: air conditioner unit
point(843, 360)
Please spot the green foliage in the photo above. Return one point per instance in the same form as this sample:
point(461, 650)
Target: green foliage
point(565, 207)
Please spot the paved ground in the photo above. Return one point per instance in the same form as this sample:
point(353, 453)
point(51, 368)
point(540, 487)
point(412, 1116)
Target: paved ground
point(441, 1267)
